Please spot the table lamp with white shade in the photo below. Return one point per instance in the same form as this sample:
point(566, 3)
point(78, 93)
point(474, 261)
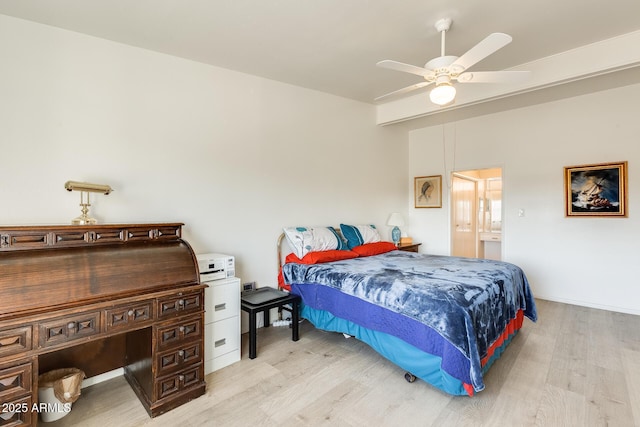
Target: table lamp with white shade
point(396, 221)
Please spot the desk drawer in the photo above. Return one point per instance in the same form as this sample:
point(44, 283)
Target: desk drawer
point(66, 329)
point(15, 381)
point(174, 333)
point(128, 316)
point(180, 381)
point(178, 358)
point(16, 413)
point(180, 304)
point(15, 340)
point(24, 239)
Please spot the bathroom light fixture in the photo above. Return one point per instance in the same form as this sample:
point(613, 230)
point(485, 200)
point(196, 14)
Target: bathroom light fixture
point(395, 220)
point(86, 187)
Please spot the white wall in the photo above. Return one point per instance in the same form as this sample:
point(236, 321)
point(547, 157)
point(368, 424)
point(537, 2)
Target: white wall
point(233, 156)
point(237, 157)
point(584, 261)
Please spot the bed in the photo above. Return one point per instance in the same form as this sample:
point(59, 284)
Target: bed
point(442, 319)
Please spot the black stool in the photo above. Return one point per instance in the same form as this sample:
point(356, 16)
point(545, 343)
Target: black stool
point(264, 299)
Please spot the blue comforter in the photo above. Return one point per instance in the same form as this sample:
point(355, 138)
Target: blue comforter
point(467, 301)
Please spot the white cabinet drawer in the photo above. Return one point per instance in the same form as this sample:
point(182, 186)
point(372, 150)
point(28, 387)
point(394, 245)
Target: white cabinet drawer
point(221, 337)
point(222, 300)
point(491, 237)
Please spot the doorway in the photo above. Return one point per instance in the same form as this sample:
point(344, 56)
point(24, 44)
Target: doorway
point(464, 192)
point(476, 213)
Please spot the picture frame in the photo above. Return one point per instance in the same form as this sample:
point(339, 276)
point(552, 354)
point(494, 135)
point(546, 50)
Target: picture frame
point(596, 190)
point(427, 191)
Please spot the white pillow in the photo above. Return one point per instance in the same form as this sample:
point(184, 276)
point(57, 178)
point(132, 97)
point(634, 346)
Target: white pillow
point(303, 240)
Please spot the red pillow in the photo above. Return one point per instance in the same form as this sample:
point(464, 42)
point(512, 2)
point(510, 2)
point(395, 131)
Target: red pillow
point(376, 248)
point(321, 256)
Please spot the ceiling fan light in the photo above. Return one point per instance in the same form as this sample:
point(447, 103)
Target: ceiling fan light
point(443, 94)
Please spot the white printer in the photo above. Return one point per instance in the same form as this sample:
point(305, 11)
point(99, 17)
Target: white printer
point(216, 266)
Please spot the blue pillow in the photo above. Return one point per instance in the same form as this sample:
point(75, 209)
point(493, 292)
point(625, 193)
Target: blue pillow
point(357, 235)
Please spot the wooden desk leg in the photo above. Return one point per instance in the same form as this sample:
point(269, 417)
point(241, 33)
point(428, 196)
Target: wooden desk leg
point(294, 320)
point(252, 334)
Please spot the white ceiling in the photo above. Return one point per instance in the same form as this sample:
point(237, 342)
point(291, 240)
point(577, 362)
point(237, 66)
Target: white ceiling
point(333, 45)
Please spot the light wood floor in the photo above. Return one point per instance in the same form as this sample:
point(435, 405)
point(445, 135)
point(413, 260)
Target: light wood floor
point(575, 367)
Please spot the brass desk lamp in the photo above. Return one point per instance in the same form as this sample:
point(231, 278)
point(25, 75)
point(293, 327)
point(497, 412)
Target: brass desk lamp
point(85, 187)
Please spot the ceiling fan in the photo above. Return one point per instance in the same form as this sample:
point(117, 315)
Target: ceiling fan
point(446, 69)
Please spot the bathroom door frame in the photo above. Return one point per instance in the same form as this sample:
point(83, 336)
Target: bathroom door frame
point(476, 175)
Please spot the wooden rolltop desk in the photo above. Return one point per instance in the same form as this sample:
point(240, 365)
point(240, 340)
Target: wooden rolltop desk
point(98, 298)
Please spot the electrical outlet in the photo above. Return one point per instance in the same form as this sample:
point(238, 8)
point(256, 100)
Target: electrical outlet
point(249, 286)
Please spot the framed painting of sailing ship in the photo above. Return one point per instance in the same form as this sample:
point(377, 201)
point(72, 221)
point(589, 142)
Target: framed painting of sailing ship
point(428, 191)
point(596, 190)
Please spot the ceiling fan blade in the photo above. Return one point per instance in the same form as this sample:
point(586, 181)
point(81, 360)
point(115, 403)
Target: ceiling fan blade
point(406, 68)
point(486, 47)
point(403, 90)
point(494, 77)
